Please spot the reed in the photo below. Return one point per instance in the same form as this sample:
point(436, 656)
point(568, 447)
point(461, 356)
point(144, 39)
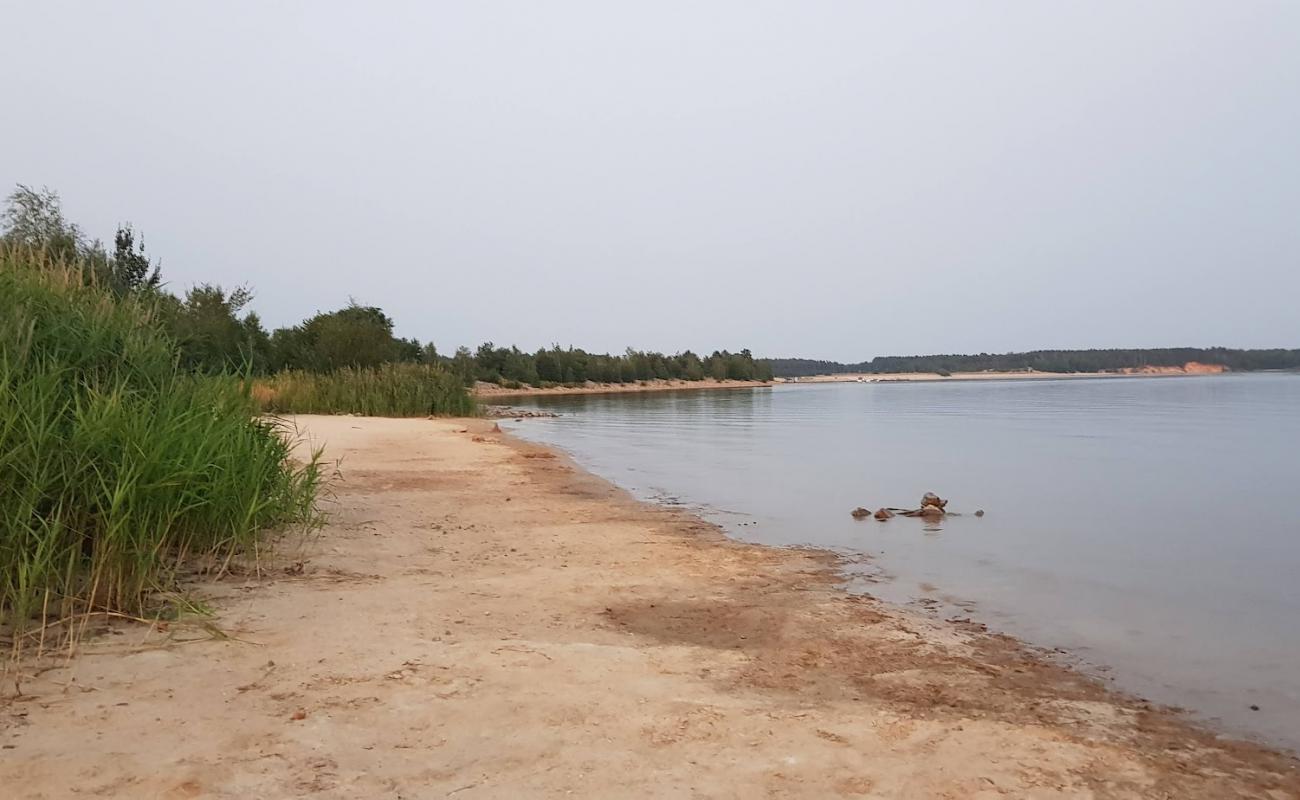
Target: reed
point(389, 390)
point(117, 468)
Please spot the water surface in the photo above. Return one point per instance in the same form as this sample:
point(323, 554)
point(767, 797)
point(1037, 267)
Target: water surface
point(1149, 526)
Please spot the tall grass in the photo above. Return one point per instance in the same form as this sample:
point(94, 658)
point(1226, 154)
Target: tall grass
point(389, 390)
point(116, 467)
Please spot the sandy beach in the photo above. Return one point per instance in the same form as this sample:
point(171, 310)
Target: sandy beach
point(482, 619)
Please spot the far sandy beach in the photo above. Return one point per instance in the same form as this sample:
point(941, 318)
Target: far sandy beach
point(481, 619)
point(1191, 368)
point(490, 391)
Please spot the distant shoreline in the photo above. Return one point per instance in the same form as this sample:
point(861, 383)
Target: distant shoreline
point(492, 391)
point(912, 377)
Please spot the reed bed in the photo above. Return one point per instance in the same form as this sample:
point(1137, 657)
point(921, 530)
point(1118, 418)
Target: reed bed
point(117, 468)
point(389, 390)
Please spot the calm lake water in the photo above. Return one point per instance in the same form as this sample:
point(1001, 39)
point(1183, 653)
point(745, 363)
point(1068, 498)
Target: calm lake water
point(1148, 526)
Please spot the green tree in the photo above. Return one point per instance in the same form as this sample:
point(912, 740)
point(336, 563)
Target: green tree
point(291, 348)
point(130, 269)
point(549, 368)
point(212, 336)
point(716, 365)
point(692, 367)
point(34, 218)
point(408, 351)
point(355, 336)
point(463, 366)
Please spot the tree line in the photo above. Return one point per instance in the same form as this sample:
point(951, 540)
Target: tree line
point(1062, 361)
point(216, 331)
point(511, 366)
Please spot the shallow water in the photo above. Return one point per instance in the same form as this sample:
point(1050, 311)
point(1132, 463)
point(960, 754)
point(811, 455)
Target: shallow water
point(1146, 525)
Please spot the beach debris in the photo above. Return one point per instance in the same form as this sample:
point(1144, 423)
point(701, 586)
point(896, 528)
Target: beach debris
point(933, 508)
point(932, 499)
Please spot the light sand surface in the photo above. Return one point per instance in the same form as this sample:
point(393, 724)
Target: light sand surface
point(483, 620)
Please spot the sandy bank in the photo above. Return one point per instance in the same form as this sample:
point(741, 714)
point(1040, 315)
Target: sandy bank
point(483, 620)
point(490, 391)
point(1190, 368)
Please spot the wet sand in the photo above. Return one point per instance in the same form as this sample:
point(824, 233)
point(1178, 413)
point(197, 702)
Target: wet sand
point(483, 619)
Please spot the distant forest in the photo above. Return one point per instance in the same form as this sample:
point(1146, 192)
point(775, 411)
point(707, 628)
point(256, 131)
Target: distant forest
point(216, 332)
point(1046, 361)
point(512, 367)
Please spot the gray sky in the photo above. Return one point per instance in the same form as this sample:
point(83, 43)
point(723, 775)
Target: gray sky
point(834, 180)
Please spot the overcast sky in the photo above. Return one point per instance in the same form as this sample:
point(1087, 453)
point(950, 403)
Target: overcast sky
point(834, 180)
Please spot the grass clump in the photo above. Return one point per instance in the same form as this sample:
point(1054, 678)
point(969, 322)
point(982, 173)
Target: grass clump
point(117, 467)
point(388, 390)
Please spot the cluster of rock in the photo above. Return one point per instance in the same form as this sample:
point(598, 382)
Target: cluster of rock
point(506, 412)
point(932, 507)
point(862, 513)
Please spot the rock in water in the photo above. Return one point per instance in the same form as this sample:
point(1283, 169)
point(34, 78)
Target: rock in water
point(883, 514)
point(979, 513)
point(932, 499)
point(860, 513)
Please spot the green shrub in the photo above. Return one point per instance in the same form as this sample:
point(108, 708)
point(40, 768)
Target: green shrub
point(116, 466)
point(389, 390)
